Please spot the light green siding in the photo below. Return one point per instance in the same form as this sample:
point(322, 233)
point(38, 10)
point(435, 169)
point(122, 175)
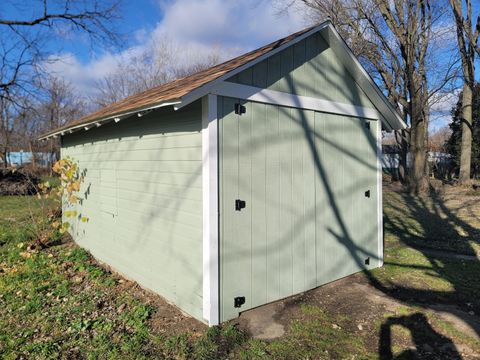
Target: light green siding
point(308, 68)
point(143, 197)
point(303, 175)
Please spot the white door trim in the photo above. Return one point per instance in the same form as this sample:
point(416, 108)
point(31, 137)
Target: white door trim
point(266, 96)
point(210, 209)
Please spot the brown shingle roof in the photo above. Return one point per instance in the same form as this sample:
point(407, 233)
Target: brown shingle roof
point(176, 89)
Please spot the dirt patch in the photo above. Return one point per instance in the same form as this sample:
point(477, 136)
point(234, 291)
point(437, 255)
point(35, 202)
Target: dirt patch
point(262, 322)
point(386, 325)
point(410, 331)
point(167, 319)
point(17, 182)
point(463, 321)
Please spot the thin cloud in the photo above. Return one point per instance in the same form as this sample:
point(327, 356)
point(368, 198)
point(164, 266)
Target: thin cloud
point(199, 26)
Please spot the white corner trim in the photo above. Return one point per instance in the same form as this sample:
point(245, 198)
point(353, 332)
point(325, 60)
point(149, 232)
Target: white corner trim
point(210, 210)
point(266, 96)
point(379, 193)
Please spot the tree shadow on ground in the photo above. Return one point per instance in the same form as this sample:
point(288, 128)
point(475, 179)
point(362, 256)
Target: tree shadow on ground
point(427, 223)
point(435, 221)
point(429, 344)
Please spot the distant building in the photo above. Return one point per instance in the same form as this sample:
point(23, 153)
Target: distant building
point(390, 158)
point(21, 158)
point(439, 162)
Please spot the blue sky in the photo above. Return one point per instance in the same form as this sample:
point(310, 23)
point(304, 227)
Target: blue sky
point(231, 27)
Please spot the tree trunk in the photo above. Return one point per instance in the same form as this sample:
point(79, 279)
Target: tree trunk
point(34, 160)
point(417, 179)
point(466, 147)
point(5, 158)
point(402, 142)
point(402, 165)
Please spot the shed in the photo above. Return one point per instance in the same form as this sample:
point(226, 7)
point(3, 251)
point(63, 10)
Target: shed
point(249, 182)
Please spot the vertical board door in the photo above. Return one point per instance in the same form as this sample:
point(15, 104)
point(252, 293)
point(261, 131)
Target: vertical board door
point(306, 220)
point(346, 196)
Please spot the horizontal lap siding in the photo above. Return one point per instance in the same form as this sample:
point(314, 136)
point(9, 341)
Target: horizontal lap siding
point(143, 197)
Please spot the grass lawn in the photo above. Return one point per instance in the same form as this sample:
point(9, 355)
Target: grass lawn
point(58, 302)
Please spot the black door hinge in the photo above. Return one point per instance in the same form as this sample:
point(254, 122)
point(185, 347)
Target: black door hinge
point(240, 204)
point(240, 109)
point(367, 193)
point(367, 125)
point(238, 301)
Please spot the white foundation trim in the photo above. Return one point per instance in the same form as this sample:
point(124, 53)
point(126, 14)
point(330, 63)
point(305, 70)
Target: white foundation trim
point(256, 94)
point(210, 210)
point(379, 193)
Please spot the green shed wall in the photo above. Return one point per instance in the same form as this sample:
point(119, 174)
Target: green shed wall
point(143, 197)
point(308, 68)
point(307, 221)
point(303, 175)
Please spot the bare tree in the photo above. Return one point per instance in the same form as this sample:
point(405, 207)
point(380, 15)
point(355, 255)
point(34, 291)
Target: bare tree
point(6, 130)
point(438, 139)
point(25, 118)
point(161, 62)
point(58, 105)
point(467, 39)
point(393, 40)
point(23, 39)
point(27, 29)
point(14, 124)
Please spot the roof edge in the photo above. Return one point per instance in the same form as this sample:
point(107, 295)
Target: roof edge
point(392, 118)
point(205, 89)
point(120, 116)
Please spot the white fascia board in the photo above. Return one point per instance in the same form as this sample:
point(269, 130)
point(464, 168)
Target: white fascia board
point(205, 89)
point(116, 117)
point(391, 117)
point(211, 279)
point(266, 96)
point(379, 193)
